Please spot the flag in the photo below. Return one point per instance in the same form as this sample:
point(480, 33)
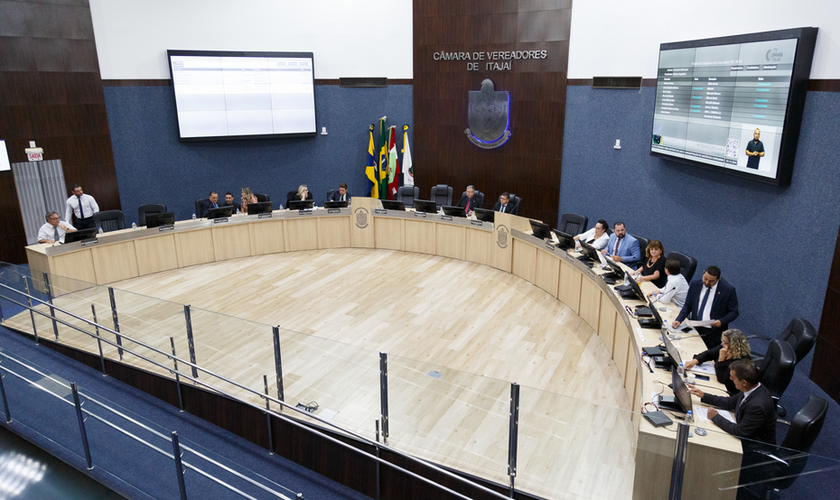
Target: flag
point(372, 188)
point(393, 165)
point(407, 168)
point(383, 159)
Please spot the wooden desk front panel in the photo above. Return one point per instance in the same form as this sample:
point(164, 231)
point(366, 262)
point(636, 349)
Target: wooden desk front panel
point(361, 222)
point(156, 254)
point(547, 272)
point(569, 289)
point(420, 236)
point(590, 302)
point(75, 265)
point(195, 247)
point(479, 246)
point(389, 233)
point(333, 232)
point(524, 262)
point(114, 262)
point(606, 325)
point(231, 242)
point(267, 237)
point(450, 241)
point(302, 234)
point(621, 346)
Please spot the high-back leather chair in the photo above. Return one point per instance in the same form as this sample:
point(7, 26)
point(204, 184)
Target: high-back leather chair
point(441, 195)
point(262, 197)
point(643, 244)
point(573, 223)
point(145, 210)
point(688, 264)
point(515, 203)
point(330, 194)
point(198, 204)
point(109, 220)
point(800, 334)
point(407, 195)
point(775, 371)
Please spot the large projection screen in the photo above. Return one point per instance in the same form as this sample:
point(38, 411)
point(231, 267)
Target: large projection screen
point(227, 95)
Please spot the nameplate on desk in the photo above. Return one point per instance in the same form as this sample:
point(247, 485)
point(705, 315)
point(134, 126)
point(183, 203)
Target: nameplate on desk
point(168, 227)
point(264, 216)
point(549, 245)
point(220, 220)
point(87, 243)
point(477, 223)
point(420, 214)
point(333, 210)
point(305, 211)
point(380, 211)
point(446, 217)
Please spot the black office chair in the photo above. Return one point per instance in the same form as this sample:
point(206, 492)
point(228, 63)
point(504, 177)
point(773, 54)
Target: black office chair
point(643, 244)
point(109, 220)
point(198, 204)
point(441, 195)
point(788, 461)
point(688, 264)
point(330, 194)
point(515, 203)
point(800, 334)
point(407, 195)
point(776, 371)
point(262, 197)
point(145, 210)
point(573, 223)
point(478, 198)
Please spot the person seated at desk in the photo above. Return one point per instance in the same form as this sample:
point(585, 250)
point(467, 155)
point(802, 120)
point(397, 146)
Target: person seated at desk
point(676, 287)
point(54, 230)
point(229, 200)
point(734, 346)
point(622, 247)
point(710, 299)
point(653, 269)
point(468, 201)
point(303, 193)
point(248, 197)
point(597, 236)
point(503, 205)
point(341, 194)
point(212, 201)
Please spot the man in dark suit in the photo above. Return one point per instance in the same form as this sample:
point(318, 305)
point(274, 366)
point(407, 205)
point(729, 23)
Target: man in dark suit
point(469, 201)
point(211, 202)
point(342, 194)
point(710, 299)
point(229, 201)
point(503, 205)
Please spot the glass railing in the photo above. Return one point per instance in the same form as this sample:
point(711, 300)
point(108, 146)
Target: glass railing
point(134, 454)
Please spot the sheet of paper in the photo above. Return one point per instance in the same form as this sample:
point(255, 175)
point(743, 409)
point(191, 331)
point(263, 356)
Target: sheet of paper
point(703, 413)
point(707, 368)
point(696, 323)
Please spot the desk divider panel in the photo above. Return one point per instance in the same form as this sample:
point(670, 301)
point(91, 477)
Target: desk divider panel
point(450, 241)
point(569, 289)
point(231, 242)
point(156, 254)
point(590, 302)
point(195, 247)
point(389, 233)
point(524, 260)
point(114, 262)
point(478, 246)
point(333, 232)
point(547, 272)
point(420, 237)
point(267, 237)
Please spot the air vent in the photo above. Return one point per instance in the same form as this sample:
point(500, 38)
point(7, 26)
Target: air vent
point(361, 83)
point(617, 82)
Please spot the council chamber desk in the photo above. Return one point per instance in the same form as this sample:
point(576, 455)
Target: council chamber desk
point(506, 244)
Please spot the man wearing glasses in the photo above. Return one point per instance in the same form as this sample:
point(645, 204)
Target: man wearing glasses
point(54, 230)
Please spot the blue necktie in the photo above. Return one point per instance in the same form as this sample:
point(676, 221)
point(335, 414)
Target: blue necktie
point(703, 304)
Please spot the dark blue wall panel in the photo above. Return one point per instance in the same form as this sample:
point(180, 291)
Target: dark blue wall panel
point(774, 244)
point(154, 167)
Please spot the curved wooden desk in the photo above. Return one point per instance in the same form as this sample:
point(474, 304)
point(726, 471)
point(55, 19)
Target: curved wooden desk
point(507, 245)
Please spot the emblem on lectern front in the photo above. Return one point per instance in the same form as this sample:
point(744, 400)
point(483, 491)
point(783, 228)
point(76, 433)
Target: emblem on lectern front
point(361, 217)
point(488, 114)
point(502, 236)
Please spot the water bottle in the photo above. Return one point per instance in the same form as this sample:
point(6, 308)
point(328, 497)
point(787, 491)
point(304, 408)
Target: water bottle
point(681, 369)
point(100, 230)
point(193, 216)
point(626, 279)
point(133, 226)
point(689, 417)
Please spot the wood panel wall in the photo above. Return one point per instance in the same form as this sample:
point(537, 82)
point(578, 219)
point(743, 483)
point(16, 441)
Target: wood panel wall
point(529, 164)
point(51, 93)
point(824, 371)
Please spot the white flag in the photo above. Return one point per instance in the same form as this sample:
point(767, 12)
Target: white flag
point(407, 168)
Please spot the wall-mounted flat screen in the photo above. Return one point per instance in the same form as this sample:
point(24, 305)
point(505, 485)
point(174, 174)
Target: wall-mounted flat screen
point(225, 95)
point(734, 103)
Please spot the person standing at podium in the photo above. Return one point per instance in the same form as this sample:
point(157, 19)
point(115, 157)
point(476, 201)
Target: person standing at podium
point(83, 206)
point(54, 230)
point(503, 205)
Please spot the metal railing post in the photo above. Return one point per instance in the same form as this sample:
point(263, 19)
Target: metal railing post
point(190, 340)
point(5, 401)
point(50, 300)
point(2, 319)
point(513, 435)
point(98, 339)
point(176, 453)
point(278, 365)
point(80, 415)
point(177, 375)
point(383, 395)
point(678, 469)
point(268, 417)
point(31, 314)
point(116, 320)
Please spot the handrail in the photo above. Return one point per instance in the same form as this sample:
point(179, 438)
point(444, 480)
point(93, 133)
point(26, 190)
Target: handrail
point(266, 397)
point(132, 436)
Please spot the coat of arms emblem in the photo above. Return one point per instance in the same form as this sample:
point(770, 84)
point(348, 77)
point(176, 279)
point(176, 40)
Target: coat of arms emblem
point(488, 115)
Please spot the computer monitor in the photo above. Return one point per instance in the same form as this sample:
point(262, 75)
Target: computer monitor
point(566, 240)
point(485, 215)
point(301, 204)
point(337, 204)
point(220, 212)
point(681, 395)
point(672, 350)
point(393, 205)
point(156, 220)
point(262, 207)
point(590, 252)
point(615, 268)
point(637, 290)
point(539, 229)
point(425, 206)
point(655, 311)
point(80, 235)
point(454, 211)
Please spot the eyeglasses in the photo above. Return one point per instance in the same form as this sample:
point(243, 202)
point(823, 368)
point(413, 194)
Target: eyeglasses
point(54, 218)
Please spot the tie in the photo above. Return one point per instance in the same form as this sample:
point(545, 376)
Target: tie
point(703, 304)
point(214, 206)
point(56, 237)
point(342, 198)
point(467, 208)
point(81, 207)
point(617, 243)
point(503, 208)
point(738, 407)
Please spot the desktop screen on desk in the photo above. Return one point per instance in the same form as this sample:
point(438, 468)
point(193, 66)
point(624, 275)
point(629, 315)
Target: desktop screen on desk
point(223, 94)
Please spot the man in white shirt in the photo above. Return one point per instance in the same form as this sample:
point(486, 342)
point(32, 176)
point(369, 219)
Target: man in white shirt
point(83, 206)
point(54, 230)
point(675, 289)
point(597, 236)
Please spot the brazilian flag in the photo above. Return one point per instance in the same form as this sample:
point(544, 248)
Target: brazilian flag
point(372, 188)
point(383, 160)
